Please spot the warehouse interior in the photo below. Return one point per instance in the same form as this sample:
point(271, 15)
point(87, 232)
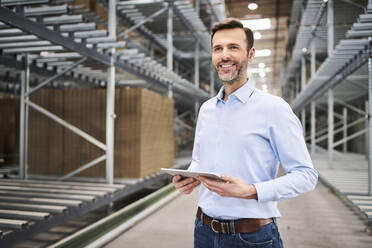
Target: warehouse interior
point(97, 95)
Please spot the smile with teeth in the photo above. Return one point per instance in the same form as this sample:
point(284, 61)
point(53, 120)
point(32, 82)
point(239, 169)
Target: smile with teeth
point(226, 66)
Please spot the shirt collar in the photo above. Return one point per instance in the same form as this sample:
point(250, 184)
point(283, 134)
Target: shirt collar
point(242, 94)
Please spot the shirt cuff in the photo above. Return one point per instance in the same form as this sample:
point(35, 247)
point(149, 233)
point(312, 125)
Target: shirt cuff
point(265, 191)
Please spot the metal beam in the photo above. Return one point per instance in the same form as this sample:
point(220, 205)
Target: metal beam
point(110, 97)
point(82, 168)
point(51, 79)
point(197, 61)
point(67, 125)
point(336, 115)
point(170, 46)
point(330, 24)
point(344, 129)
point(212, 80)
point(312, 126)
point(339, 76)
point(330, 126)
point(369, 118)
point(303, 120)
point(349, 106)
point(350, 137)
point(338, 130)
point(313, 58)
point(367, 134)
point(23, 125)
point(303, 72)
point(21, 22)
point(148, 19)
point(212, 74)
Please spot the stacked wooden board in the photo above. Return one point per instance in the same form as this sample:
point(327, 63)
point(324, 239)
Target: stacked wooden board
point(9, 129)
point(143, 132)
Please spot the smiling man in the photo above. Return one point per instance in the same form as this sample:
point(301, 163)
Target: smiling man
point(244, 134)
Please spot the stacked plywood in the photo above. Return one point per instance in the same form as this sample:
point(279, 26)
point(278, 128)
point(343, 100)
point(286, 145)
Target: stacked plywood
point(143, 132)
point(9, 129)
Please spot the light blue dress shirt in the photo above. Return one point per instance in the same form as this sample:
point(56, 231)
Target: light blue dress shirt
point(248, 136)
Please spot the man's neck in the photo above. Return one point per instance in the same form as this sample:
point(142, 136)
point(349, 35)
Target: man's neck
point(231, 88)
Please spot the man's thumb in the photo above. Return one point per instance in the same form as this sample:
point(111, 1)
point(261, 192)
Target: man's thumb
point(227, 178)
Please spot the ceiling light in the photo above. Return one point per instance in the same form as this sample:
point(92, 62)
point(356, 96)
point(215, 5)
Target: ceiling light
point(261, 65)
point(262, 74)
point(304, 50)
point(257, 35)
point(262, 53)
point(325, 1)
point(264, 88)
point(252, 5)
point(257, 24)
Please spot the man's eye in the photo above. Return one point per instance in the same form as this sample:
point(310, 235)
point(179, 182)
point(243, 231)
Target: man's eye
point(234, 47)
point(217, 48)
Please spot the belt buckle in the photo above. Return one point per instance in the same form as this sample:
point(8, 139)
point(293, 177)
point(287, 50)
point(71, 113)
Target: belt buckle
point(214, 221)
point(222, 226)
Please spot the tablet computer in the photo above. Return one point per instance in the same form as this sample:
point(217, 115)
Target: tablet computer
point(194, 174)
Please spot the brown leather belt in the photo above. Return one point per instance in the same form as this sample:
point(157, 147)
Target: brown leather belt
point(240, 225)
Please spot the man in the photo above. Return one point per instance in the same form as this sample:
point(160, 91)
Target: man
point(244, 134)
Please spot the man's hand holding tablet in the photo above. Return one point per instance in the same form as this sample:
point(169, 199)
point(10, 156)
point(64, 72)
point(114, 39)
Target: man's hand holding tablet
point(185, 181)
point(193, 174)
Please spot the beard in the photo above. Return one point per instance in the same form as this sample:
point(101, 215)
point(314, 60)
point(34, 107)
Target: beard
point(237, 74)
point(230, 79)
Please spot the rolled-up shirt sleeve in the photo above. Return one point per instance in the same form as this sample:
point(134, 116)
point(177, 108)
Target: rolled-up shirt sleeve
point(288, 144)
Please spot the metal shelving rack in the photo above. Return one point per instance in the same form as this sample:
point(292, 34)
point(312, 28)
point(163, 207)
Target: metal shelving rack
point(47, 31)
point(45, 41)
point(339, 75)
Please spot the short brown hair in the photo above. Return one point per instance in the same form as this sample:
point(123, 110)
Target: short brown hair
point(231, 23)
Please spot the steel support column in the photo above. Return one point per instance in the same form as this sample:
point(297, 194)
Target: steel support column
point(212, 75)
point(303, 72)
point(344, 129)
point(297, 88)
point(303, 121)
point(367, 133)
point(196, 61)
point(313, 58)
point(312, 126)
point(170, 46)
point(196, 74)
point(330, 126)
point(330, 24)
point(110, 97)
point(212, 81)
point(369, 130)
point(23, 119)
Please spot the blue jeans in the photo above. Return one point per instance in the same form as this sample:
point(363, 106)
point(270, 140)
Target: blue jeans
point(267, 237)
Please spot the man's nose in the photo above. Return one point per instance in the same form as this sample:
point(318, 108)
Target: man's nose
point(225, 53)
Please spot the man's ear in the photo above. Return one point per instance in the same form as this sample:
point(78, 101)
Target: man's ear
point(251, 54)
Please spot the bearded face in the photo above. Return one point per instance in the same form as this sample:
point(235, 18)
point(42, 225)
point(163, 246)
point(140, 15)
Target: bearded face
point(230, 71)
point(230, 56)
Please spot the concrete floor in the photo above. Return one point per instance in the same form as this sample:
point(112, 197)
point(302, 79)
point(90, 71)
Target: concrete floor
point(170, 226)
point(320, 219)
point(316, 219)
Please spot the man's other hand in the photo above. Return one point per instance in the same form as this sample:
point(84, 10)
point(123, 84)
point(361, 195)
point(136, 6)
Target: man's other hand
point(231, 187)
point(185, 185)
